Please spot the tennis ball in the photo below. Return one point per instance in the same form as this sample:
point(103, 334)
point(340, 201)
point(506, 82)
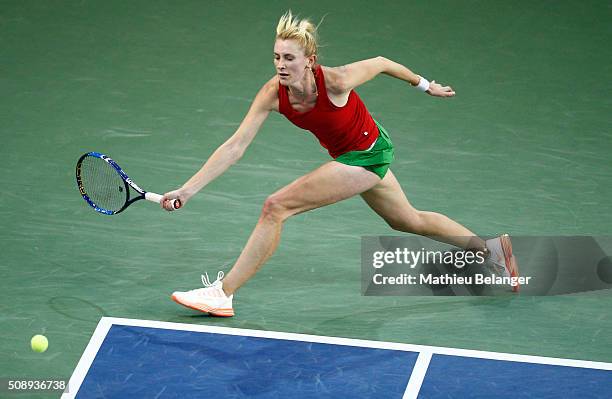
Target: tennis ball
point(39, 343)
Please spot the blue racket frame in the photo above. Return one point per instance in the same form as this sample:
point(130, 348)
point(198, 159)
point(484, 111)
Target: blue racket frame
point(126, 180)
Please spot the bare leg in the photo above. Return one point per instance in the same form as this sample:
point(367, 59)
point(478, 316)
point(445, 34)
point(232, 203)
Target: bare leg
point(326, 185)
point(388, 200)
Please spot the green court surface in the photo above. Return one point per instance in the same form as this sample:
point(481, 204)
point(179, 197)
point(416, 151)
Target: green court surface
point(523, 148)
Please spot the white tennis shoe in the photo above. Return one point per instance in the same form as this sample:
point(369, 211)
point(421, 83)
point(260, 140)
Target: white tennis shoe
point(211, 299)
point(500, 250)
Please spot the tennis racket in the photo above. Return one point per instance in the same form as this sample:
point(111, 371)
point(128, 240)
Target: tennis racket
point(106, 187)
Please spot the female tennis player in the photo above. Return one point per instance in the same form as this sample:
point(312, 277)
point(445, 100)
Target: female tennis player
point(323, 100)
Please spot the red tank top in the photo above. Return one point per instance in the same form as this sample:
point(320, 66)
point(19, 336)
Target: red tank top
point(339, 129)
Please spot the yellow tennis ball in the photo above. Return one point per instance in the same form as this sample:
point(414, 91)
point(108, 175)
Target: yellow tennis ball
point(39, 343)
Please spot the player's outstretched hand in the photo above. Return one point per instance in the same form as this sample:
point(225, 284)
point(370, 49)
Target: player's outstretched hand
point(437, 90)
point(169, 202)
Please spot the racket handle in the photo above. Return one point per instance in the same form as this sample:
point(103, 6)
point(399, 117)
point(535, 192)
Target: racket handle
point(176, 204)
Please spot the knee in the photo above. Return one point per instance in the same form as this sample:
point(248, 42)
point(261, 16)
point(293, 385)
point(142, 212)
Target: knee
point(274, 208)
point(413, 223)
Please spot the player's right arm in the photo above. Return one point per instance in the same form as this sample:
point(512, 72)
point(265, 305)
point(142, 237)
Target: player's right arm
point(232, 150)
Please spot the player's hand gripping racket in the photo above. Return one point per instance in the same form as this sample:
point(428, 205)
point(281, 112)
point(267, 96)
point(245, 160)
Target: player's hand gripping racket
point(106, 187)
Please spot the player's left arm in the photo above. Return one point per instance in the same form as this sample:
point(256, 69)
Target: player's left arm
point(350, 76)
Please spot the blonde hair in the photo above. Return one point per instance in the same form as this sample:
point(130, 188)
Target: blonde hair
point(301, 30)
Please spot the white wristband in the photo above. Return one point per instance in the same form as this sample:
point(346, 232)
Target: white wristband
point(423, 84)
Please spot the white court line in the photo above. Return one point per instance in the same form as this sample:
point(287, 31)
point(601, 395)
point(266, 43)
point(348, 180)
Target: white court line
point(106, 322)
point(87, 358)
point(418, 375)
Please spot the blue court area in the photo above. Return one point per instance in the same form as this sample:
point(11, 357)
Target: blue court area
point(464, 377)
point(137, 358)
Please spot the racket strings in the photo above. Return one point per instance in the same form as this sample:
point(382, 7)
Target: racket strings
point(103, 185)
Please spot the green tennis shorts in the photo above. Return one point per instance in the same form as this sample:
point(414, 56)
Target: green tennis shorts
point(377, 159)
